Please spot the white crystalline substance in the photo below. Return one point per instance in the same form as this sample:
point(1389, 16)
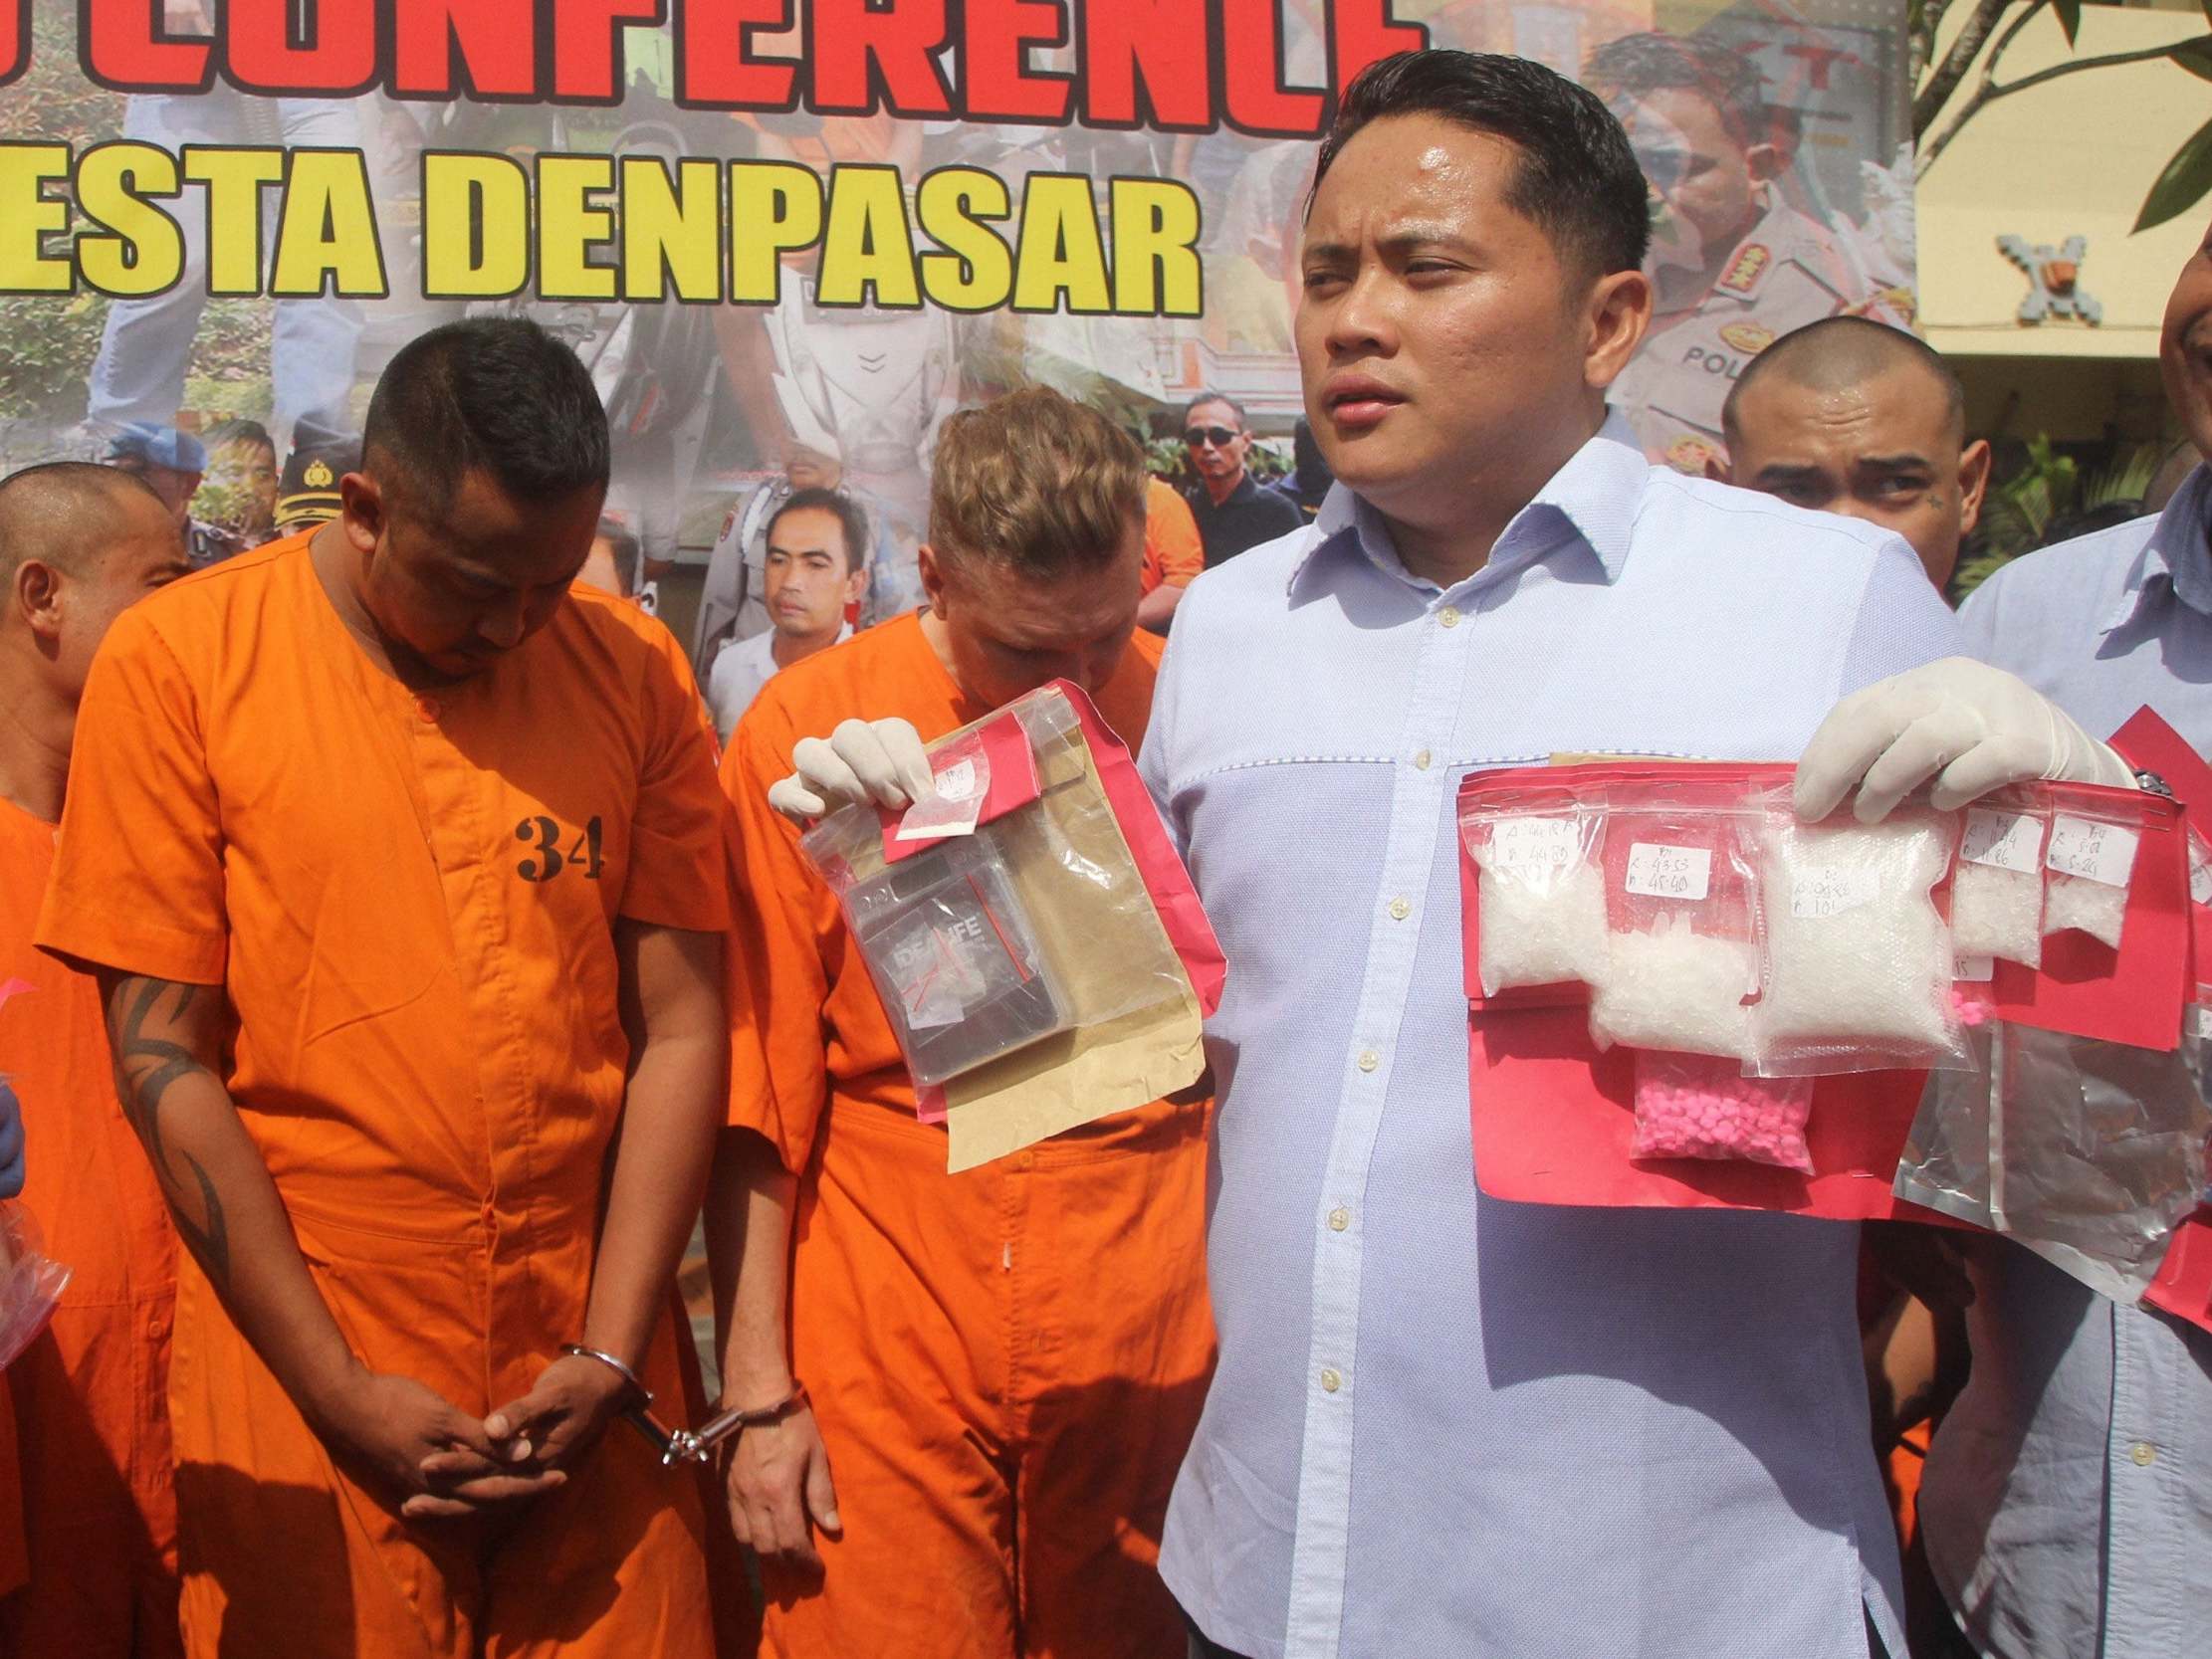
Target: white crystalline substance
point(1997, 912)
point(1875, 975)
point(1674, 990)
point(1541, 925)
point(2095, 908)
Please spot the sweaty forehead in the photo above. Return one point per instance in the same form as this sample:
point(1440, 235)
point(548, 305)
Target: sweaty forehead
point(1898, 410)
point(1410, 170)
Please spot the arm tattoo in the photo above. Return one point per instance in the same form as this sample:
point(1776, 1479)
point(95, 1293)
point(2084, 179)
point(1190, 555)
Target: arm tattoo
point(145, 1067)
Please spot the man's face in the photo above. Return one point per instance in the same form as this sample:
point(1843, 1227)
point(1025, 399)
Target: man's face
point(811, 578)
point(2185, 347)
point(1703, 175)
point(1216, 440)
point(141, 551)
point(1008, 634)
point(250, 471)
point(809, 469)
point(1884, 449)
point(456, 585)
point(1440, 339)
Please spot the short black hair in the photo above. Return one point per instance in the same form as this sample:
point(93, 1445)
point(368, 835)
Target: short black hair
point(1637, 66)
point(1836, 353)
point(500, 394)
point(1211, 396)
point(630, 553)
point(238, 432)
point(1577, 178)
point(851, 516)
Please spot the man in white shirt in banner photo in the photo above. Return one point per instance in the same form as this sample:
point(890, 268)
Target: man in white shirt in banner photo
point(812, 574)
point(2067, 1507)
point(1442, 1423)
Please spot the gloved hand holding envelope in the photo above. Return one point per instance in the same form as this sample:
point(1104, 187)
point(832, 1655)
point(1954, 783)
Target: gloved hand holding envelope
point(1034, 936)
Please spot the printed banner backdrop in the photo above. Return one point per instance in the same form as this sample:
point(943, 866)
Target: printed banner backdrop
point(788, 237)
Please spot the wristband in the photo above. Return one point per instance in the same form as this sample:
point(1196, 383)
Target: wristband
point(576, 1350)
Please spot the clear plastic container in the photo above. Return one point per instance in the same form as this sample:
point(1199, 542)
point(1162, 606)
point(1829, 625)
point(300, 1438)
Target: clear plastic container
point(989, 940)
point(955, 958)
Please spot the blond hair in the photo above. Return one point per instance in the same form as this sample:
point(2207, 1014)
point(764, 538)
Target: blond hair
point(1035, 481)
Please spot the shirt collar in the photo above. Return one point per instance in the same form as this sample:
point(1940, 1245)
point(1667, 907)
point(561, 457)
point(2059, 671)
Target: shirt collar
point(1246, 487)
point(1594, 497)
point(2176, 557)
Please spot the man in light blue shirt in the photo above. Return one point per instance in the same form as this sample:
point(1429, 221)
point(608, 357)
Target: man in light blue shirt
point(2067, 1500)
point(1444, 1424)
point(1441, 1424)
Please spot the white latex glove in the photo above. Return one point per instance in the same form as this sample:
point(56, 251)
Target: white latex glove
point(1969, 727)
point(862, 761)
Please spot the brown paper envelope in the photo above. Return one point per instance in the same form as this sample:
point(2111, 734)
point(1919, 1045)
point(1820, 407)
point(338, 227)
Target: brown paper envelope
point(1101, 1070)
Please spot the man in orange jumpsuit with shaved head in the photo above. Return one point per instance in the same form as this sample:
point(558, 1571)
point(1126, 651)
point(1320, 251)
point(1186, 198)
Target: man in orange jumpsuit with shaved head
point(1001, 1367)
point(401, 865)
point(89, 1485)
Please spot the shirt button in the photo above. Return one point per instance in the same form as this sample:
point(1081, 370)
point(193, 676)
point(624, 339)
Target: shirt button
point(1400, 910)
point(1421, 760)
point(1027, 1161)
point(427, 708)
point(1449, 616)
point(1369, 1060)
point(1339, 1219)
point(2145, 1454)
point(1331, 1379)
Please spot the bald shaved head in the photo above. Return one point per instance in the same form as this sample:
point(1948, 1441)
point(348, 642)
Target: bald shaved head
point(1859, 418)
point(78, 544)
point(1843, 354)
point(66, 514)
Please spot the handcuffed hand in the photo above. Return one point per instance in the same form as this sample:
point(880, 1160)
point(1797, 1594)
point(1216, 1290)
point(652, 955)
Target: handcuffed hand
point(1968, 726)
point(862, 761)
point(777, 1480)
point(445, 1462)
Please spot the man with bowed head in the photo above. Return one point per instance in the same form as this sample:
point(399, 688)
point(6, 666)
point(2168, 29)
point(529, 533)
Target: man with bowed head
point(1438, 1419)
point(1000, 1367)
point(409, 934)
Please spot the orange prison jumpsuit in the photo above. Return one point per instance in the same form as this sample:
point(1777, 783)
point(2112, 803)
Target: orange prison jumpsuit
point(410, 902)
point(91, 1394)
point(1173, 550)
point(1007, 1364)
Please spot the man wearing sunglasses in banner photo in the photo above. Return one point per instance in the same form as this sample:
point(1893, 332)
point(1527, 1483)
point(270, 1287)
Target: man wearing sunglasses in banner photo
point(1233, 510)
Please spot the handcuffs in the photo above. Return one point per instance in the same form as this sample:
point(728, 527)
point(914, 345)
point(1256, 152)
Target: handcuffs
point(685, 1445)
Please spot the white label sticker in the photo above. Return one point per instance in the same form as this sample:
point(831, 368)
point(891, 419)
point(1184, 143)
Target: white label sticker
point(2003, 840)
point(1976, 970)
point(962, 787)
point(1542, 843)
point(1665, 871)
point(2095, 852)
point(1827, 889)
point(2200, 870)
